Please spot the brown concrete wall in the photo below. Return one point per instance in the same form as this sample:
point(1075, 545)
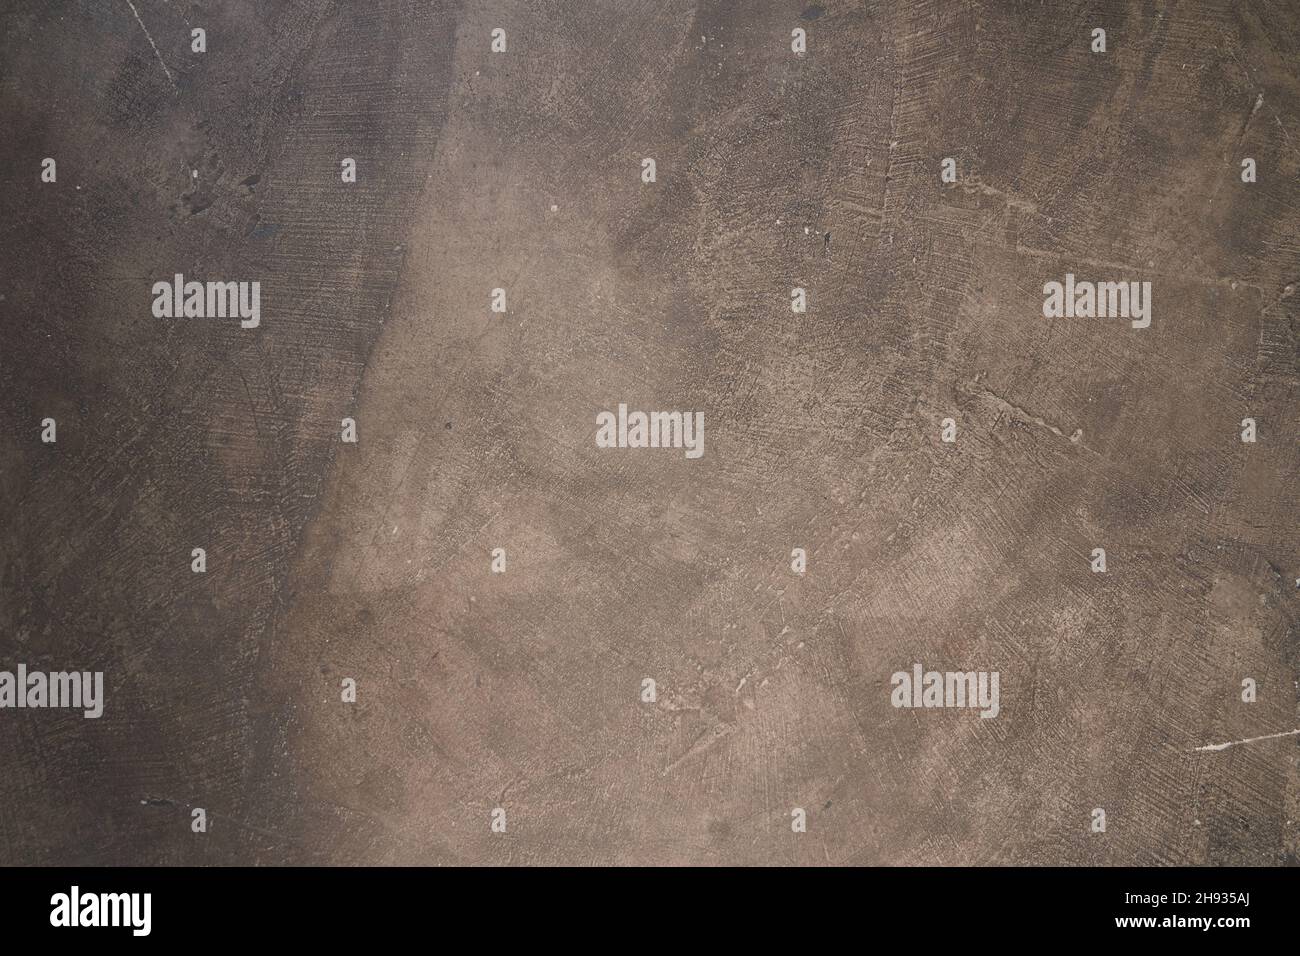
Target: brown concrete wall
point(523, 690)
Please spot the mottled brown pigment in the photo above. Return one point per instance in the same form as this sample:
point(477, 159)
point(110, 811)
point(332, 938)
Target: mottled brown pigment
point(522, 170)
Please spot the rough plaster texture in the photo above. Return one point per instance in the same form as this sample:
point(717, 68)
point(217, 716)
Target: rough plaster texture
point(522, 170)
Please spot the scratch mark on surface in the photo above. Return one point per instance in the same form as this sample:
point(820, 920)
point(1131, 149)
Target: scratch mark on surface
point(161, 62)
point(1013, 201)
point(1259, 101)
point(702, 743)
point(1074, 437)
point(1048, 256)
point(252, 406)
point(1249, 740)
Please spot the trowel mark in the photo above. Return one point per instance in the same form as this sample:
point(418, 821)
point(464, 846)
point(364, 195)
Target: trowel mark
point(1249, 740)
point(1074, 437)
point(154, 45)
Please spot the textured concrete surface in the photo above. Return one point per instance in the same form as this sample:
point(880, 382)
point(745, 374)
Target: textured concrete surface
point(522, 690)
